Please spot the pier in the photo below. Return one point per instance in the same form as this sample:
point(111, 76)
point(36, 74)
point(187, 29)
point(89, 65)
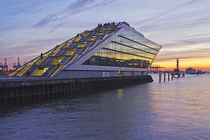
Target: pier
point(26, 89)
point(170, 76)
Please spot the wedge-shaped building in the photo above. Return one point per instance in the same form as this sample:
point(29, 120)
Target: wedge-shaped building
point(109, 50)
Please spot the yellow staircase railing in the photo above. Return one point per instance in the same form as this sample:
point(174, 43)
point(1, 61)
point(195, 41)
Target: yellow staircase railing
point(23, 69)
point(55, 51)
point(86, 33)
point(68, 43)
point(16, 71)
point(77, 38)
point(27, 67)
point(57, 70)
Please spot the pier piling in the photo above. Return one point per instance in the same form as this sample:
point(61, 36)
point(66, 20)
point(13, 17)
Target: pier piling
point(172, 76)
point(168, 76)
point(160, 77)
point(164, 75)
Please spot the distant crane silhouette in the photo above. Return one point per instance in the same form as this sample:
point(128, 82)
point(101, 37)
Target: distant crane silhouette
point(5, 66)
point(18, 64)
point(155, 68)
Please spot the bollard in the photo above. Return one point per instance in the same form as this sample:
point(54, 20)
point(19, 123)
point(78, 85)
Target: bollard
point(160, 77)
point(168, 76)
point(172, 76)
point(164, 75)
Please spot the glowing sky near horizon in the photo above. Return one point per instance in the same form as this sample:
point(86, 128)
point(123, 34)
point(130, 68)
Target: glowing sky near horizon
point(182, 27)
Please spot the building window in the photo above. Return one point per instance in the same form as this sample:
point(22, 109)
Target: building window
point(57, 60)
point(70, 52)
point(40, 71)
point(121, 73)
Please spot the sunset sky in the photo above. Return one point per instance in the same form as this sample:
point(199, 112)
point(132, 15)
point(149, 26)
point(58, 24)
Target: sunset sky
point(182, 27)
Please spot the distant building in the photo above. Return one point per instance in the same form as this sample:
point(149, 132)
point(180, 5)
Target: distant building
point(200, 72)
point(108, 50)
point(190, 71)
point(1, 68)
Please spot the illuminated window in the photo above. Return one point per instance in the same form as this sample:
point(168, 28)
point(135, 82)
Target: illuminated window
point(121, 73)
point(91, 38)
point(40, 71)
point(82, 44)
point(107, 27)
point(132, 73)
point(93, 59)
point(100, 33)
point(57, 60)
point(70, 52)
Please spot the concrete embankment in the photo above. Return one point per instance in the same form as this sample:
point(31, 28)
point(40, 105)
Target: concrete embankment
point(26, 89)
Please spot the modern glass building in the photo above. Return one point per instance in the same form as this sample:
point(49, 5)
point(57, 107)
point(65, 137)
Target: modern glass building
point(109, 50)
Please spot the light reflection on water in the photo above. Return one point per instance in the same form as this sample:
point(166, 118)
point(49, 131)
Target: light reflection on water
point(177, 109)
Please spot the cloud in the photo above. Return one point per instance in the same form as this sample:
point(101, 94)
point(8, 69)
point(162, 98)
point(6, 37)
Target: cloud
point(74, 8)
point(35, 46)
point(166, 12)
point(190, 52)
point(46, 20)
point(184, 42)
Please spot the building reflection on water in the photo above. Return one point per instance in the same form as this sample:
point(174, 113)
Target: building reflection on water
point(120, 93)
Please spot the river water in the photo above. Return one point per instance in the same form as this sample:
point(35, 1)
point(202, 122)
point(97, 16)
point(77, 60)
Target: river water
point(178, 109)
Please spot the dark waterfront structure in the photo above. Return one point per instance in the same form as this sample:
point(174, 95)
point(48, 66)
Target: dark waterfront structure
point(110, 55)
point(193, 71)
point(27, 89)
point(190, 71)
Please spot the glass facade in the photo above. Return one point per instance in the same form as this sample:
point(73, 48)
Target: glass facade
point(127, 50)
